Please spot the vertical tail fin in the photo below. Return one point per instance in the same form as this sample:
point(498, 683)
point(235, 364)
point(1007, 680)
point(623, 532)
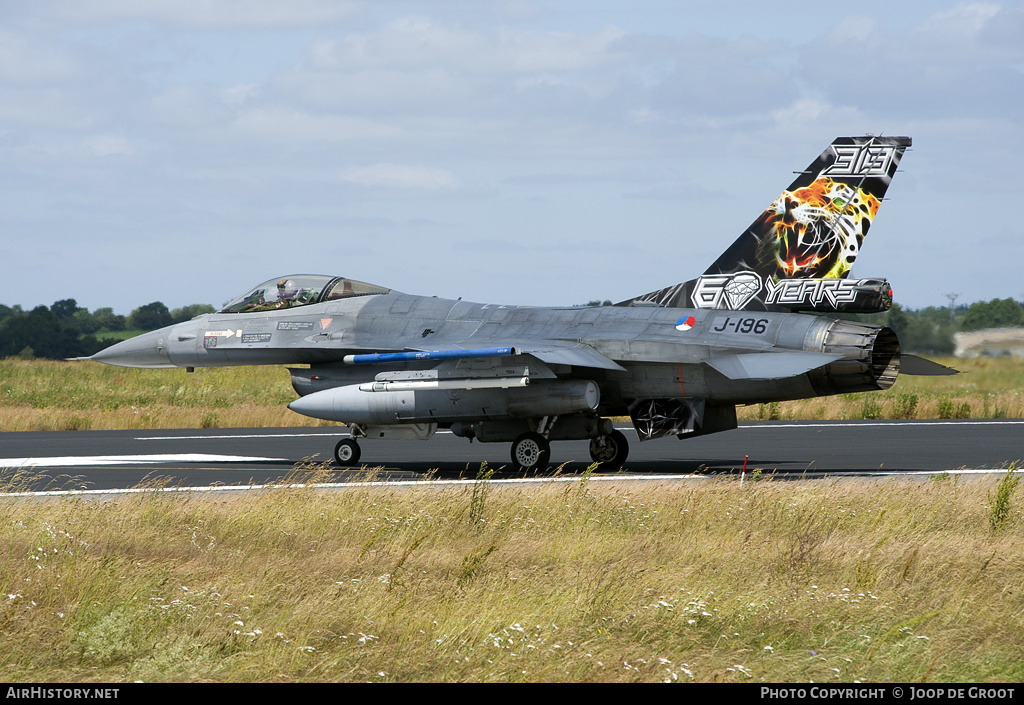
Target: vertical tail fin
point(797, 254)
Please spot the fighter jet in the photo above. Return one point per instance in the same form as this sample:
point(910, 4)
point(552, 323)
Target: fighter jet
point(676, 360)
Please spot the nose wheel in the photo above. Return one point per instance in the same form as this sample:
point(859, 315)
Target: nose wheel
point(531, 451)
point(610, 450)
point(346, 453)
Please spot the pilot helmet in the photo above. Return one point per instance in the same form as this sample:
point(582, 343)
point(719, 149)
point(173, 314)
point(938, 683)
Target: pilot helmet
point(286, 289)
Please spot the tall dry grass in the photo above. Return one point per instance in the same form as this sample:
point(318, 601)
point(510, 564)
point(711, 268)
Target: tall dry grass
point(46, 395)
point(986, 388)
point(583, 581)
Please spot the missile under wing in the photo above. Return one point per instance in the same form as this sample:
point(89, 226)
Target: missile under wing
point(676, 360)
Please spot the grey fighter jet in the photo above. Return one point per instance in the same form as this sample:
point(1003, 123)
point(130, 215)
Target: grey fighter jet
point(677, 361)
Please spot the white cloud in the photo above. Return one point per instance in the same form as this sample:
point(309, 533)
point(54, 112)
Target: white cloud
point(675, 128)
point(200, 14)
point(417, 41)
point(240, 93)
point(803, 110)
point(192, 106)
point(108, 145)
point(27, 59)
point(287, 125)
point(401, 176)
point(957, 24)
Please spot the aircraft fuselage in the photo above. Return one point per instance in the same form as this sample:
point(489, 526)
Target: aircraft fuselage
point(662, 351)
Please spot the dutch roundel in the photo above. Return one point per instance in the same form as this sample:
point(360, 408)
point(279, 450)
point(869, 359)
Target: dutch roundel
point(685, 323)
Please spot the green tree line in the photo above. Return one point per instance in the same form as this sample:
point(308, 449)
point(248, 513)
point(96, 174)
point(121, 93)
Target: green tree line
point(66, 329)
point(930, 330)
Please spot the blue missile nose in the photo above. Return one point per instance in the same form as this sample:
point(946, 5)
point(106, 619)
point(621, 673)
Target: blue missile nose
point(147, 350)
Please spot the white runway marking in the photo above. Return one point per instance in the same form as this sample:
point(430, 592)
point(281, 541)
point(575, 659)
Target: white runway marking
point(78, 461)
point(235, 435)
point(342, 433)
point(886, 424)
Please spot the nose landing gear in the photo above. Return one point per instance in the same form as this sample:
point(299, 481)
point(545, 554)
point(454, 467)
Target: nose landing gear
point(346, 453)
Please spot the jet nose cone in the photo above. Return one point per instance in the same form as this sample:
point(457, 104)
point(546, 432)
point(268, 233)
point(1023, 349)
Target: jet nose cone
point(146, 350)
point(307, 407)
point(318, 405)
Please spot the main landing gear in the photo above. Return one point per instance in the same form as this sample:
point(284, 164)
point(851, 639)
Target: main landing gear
point(609, 450)
point(530, 450)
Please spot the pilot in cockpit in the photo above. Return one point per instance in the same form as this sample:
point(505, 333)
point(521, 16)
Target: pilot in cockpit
point(290, 294)
point(286, 293)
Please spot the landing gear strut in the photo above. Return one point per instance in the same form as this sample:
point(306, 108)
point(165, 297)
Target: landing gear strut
point(609, 450)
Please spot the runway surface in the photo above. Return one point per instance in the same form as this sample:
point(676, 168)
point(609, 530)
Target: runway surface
point(99, 460)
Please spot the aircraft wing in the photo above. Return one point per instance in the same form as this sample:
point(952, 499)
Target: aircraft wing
point(770, 365)
point(578, 354)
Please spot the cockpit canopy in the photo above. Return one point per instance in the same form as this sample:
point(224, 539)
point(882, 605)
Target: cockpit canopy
point(299, 290)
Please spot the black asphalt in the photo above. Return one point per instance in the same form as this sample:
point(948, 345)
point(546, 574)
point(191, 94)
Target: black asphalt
point(833, 447)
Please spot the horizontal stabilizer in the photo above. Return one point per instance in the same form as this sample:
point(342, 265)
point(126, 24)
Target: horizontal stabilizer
point(914, 365)
point(774, 365)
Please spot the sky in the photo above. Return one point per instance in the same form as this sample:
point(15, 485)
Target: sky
point(516, 152)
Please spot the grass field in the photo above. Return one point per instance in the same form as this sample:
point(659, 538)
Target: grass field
point(894, 581)
point(586, 580)
point(41, 395)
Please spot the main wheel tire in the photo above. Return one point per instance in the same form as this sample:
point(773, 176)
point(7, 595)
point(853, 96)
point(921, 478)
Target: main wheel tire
point(531, 451)
point(346, 453)
point(610, 451)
